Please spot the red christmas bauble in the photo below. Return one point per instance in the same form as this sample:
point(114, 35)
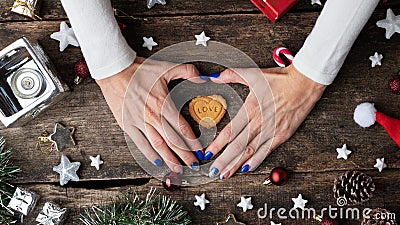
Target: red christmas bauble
point(278, 176)
point(329, 221)
point(122, 26)
point(394, 84)
point(81, 70)
point(172, 181)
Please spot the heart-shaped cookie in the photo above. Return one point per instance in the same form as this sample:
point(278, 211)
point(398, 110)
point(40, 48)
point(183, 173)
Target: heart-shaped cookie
point(208, 110)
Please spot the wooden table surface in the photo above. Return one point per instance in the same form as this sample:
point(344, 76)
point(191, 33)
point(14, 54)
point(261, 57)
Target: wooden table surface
point(309, 155)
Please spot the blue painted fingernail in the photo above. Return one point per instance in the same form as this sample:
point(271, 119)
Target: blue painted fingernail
point(158, 163)
point(214, 172)
point(199, 155)
point(245, 168)
point(208, 155)
point(195, 166)
point(215, 75)
point(204, 77)
point(224, 175)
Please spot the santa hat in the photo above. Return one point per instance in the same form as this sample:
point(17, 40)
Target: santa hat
point(366, 115)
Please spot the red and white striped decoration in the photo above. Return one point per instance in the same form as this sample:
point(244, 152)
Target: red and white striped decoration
point(277, 56)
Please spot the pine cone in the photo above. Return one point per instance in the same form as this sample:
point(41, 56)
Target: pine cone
point(353, 188)
point(379, 217)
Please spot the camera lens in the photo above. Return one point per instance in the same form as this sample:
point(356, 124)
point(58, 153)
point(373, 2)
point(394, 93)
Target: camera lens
point(27, 83)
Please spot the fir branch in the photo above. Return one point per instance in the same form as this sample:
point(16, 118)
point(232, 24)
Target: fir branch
point(129, 208)
point(7, 173)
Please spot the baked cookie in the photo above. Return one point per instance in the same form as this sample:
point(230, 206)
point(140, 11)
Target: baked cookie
point(208, 110)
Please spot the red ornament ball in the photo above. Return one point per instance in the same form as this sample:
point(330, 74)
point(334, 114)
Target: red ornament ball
point(81, 71)
point(172, 181)
point(278, 176)
point(122, 26)
point(394, 85)
point(329, 221)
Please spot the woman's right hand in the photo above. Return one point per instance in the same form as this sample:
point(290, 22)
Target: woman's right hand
point(270, 116)
point(139, 100)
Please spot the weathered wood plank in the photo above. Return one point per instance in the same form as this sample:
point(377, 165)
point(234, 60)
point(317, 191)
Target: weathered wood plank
point(52, 9)
point(312, 148)
point(224, 195)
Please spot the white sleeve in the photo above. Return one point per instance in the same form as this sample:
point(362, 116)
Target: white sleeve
point(335, 31)
point(103, 46)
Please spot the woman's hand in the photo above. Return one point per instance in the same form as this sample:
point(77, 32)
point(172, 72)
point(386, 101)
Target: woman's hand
point(251, 136)
point(139, 100)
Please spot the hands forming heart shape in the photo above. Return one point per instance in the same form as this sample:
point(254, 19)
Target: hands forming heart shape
point(145, 111)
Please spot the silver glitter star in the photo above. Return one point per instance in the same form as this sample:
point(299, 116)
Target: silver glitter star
point(65, 36)
point(391, 24)
point(151, 3)
point(67, 170)
point(62, 136)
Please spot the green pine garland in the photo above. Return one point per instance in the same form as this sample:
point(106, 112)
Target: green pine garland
point(7, 173)
point(129, 208)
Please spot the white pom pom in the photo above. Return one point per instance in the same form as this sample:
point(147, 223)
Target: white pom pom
point(365, 114)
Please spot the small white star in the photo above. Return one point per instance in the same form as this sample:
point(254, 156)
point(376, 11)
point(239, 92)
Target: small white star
point(391, 24)
point(245, 203)
point(65, 36)
point(343, 152)
point(96, 161)
point(299, 202)
point(202, 39)
point(201, 201)
point(376, 59)
point(151, 3)
point(313, 2)
point(380, 164)
point(149, 43)
point(273, 223)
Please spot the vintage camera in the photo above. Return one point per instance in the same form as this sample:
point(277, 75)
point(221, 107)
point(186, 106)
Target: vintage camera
point(29, 82)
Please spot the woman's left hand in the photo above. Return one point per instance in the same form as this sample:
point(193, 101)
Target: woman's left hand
point(263, 123)
point(141, 104)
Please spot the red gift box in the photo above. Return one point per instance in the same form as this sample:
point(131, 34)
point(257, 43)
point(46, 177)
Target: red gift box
point(274, 9)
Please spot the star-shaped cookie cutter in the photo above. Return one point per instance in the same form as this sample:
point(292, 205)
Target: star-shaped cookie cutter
point(62, 136)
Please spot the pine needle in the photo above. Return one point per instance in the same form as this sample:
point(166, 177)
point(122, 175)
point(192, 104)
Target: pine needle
point(128, 209)
point(7, 173)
